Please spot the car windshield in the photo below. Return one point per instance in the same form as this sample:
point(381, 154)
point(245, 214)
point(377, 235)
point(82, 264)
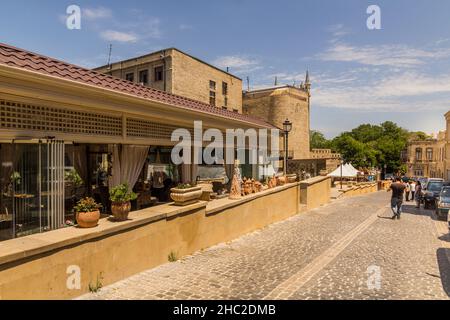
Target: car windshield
point(434, 186)
point(445, 192)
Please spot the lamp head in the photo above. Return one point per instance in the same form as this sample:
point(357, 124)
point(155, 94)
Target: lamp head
point(287, 126)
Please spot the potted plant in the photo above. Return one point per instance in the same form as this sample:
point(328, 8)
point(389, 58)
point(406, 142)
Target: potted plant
point(121, 198)
point(185, 194)
point(87, 213)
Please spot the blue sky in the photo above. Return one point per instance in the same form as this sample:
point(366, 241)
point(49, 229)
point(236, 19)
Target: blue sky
point(399, 73)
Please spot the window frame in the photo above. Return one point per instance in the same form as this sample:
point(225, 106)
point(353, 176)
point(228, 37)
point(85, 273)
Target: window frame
point(147, 82)
point(128, 74)
point(158, 70)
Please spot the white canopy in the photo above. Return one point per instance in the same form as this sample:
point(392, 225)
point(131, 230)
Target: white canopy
point(352, 168)
point(348, 171)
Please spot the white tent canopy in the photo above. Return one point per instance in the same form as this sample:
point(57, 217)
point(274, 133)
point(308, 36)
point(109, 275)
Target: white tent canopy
point(348, 171)
point(352, 168)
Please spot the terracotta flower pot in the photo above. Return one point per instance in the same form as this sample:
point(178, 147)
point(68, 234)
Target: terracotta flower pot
point(120, 210)
point(183, 197)
point(88, 219)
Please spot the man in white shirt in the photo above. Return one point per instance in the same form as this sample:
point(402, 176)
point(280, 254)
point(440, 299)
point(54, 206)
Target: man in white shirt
point(412, 187)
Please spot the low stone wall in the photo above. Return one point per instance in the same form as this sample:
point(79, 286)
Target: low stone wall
point(384, 184)
point(315, 192)
point(359, 189)
point(37, 266)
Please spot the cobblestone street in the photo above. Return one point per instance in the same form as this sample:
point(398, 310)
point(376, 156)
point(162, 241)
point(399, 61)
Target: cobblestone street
point(332, 252)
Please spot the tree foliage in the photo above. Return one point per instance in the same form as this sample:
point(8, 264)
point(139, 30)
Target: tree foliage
point(318, 140)
point(369, 145)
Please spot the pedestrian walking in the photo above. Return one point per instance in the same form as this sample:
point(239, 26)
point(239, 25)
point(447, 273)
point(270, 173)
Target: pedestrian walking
point(412, 188)
point(397, 197)
point(418, 194)
point(407, 190)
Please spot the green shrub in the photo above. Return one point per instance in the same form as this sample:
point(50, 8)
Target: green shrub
point(172, 257)
point(121, 193)
point(87, 205)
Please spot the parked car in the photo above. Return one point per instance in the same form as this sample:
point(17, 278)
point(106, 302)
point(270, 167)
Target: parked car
point(389, 176)
point(431, 192)
point(443, 203)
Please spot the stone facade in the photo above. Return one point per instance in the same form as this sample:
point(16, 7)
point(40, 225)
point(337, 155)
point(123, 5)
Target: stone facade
point(176, 72)
point(332, 159)
point(277, 104)
point(426, 158)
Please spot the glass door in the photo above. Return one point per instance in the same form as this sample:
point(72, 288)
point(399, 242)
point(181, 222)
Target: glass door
point(34, 189)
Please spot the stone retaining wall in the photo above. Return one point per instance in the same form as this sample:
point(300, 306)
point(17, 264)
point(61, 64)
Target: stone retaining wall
point(37, 266)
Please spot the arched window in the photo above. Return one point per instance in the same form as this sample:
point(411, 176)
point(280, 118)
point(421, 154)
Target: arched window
point(430, 154)
point(418, 154)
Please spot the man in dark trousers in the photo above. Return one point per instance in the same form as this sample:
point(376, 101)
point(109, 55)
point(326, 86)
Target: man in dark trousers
point(398, 188)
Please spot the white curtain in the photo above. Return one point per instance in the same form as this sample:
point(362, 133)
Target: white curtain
point(128, 161)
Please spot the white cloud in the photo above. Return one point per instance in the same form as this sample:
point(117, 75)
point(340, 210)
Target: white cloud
point(118, 36)
point(338, 30)
point(96, 13)
point(237, 63)
point(414, 84)
point(407, 92)
point(384, 55)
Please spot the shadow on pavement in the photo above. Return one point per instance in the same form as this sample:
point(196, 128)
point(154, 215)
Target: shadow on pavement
point(444, 268)
point(412, 209)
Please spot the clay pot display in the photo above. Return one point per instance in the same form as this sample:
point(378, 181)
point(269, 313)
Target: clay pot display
point(281, 181)
point(186, 196)
point(257, 187)
point(120, 210)
point(88, 219)
point(247, 187)
point(273, 182)
point(291, 178)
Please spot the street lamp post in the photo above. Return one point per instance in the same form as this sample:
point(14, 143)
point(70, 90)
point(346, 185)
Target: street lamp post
point(287, 127)
point(342, 163)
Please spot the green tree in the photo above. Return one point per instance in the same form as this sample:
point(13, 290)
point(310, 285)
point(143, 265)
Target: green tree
point(318, 141)
point(373, 145)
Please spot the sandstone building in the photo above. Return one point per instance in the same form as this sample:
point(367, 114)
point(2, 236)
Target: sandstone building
point(427, 158)
point(176, 72)
point(179, 73)
point(332, 159)
point(276, 104)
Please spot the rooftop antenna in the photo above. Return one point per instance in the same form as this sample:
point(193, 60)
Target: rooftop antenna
point(109, 56)
point(248, 83)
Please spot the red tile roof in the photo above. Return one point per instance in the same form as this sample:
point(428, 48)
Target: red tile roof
point(23, 59)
